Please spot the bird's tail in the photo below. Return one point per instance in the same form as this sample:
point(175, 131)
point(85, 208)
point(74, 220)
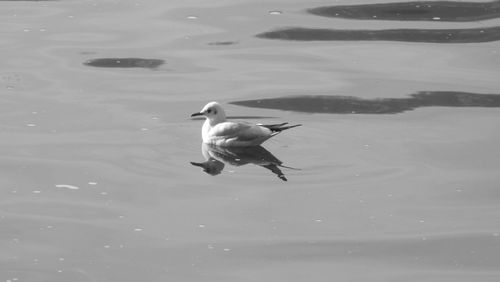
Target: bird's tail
point(279, 127)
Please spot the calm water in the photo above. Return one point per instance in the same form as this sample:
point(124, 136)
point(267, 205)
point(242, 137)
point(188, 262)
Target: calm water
point(392, 177)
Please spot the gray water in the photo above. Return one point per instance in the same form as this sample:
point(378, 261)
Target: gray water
point(392, 177)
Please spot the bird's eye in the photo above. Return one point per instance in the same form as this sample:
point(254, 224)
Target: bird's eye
point(209, 111)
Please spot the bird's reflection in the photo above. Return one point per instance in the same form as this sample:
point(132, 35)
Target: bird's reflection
point(217, 157)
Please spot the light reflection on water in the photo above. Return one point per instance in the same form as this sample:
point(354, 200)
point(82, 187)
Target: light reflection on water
point(95, 176)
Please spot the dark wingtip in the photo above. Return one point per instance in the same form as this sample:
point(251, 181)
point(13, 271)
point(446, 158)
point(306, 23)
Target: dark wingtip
point(288, 127)
point(279, 127)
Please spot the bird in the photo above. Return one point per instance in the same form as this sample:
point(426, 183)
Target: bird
point(218, 131)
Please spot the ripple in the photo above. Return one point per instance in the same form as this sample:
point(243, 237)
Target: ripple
point(125, 63)
point(414, 11)
point(471, 35)
point(59, 210)
point(355, 105)
point(470, 251)
point(82, 37)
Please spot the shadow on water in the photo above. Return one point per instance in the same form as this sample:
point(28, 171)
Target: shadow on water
point(238, 117)
point(124, 63)
point(472, 35)
point(223, 43)
point(217, 157)
point(452, 11)
point(354, 105)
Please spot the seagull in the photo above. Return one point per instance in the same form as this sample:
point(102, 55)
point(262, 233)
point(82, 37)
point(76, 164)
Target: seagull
point(219, 132)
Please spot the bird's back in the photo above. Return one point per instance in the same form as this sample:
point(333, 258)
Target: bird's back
point(237, 134)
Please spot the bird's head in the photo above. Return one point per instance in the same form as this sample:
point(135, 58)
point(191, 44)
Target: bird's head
point(212, 111)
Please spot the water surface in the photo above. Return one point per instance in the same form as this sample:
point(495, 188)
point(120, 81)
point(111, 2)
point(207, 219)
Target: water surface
point(96, 144)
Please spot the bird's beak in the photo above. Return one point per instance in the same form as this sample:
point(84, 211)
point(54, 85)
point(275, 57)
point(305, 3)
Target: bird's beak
point(196, 114)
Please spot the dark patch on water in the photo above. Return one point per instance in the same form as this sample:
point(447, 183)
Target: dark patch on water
point(472, 35)
point(238, 117)
point(354, 105)
point(125, 63)
point(249, 117)
point(223, 43)
point(414, 11)
point(86, 52)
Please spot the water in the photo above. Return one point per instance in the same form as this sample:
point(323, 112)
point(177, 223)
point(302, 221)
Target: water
point(96, 142)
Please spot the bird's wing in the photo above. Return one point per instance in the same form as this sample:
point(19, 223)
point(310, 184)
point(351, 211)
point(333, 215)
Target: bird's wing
point(240, 131)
